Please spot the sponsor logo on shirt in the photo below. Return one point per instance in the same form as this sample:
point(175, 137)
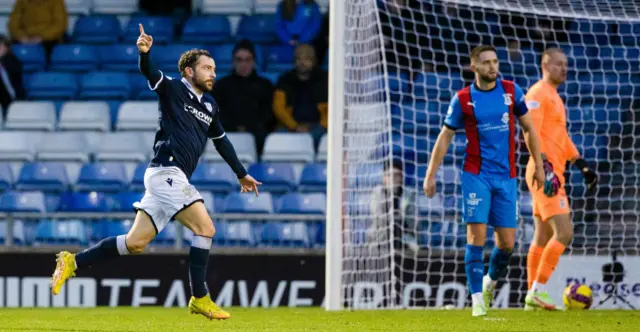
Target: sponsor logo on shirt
point(505, 117)
point(202, 116)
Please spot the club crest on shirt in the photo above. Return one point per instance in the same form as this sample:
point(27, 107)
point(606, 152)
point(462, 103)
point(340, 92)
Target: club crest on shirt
point(507, 99)
point(505, 117)
point(208, 106)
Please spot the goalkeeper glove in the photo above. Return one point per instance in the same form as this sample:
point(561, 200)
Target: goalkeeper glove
point(590, 177)
point(551, 181)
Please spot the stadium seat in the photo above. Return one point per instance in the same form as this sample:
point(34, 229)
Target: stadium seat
point(215, 177)
point(288, 147)
point(275, 177)
point(137, 182)
point(223, 54)
point(525, 204)
point(259, 29)
point(167, 235)
point(206, 29)
point(119, 7)
point(248, 203)
point(75, 7)
point(122, 146)
point(591, 146)
point(160, 27)
point(31, 115)
point(266, 6)
point(287, 234)
point(104, 177)
point(295, 203)
point(323, 147)
point(234, 233)
point(14, 201)
point(18, 146)
point(436, 86)
point(83, 202)
point(51, 86)
point(74, 58)
point(447, 179)
point(116, 227)
point(319, 235)
point(123, 201)
point(97, 29)
point(92, 115)
point(313, 178)
point(19, 237)
point(279, 58)
point(120, 57)
point(232, 7)
point(105, 85)
point(69, 232)
point(273, 77)
point(430, 207)
point(140, 87)
point(32, 57)
point(243, 143)
point(165, 57)
point(138, 115)
point(63, 146)
point(43, 176)
point(6, 177)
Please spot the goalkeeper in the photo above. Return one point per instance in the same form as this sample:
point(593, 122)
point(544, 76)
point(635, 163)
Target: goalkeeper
point(487, 110)
point(552, 222)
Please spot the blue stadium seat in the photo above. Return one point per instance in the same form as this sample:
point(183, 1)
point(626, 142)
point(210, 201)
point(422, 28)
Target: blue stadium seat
point(83, 202)
point(319, 240)
point(74, 58)
point(436, 234)
point(137, 182)
point(116, 227)
point(257, 28)
point(629, 33)
point(456, 149)
point(234, 233)
point(206, 29)
point(248, 203)
point(243, 143)
point(6, 176)
point(160, 27)
point(436, 86)
point(32, 57)
point(13, 201)
point(288, 147)
point(447, 179)
point(591, 146)
point(295, 203)
point(313, 178)
point(105, 85)
point(275, 177)
point(115, 7)
point(165, 57)
point(215, 177)
point(102, 176)
point(167, 236)
point(430, 207)
point(19, 236)
point(411, 147)
point(287, 234)
point(70, 232)
point(279, 58)
point(63, 146)
point(31, 115)
point(140, 88)
point(52, 86)
point(223, 54)
point(594, 120)
point(273, 77)
point(44, 176)
point(120, 57)
point(101, 29)
point(232, 7)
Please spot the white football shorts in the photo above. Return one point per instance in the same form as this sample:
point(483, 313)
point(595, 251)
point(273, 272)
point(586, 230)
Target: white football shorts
point(167, 192)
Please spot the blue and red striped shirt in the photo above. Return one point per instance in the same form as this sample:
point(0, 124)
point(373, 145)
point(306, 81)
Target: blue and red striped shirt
point(488, 118)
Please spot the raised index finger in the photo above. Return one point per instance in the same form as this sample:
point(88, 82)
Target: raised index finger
point(141, 28)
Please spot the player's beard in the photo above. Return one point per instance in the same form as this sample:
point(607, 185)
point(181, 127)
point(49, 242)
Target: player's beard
point(487, 78)
point(203, 85)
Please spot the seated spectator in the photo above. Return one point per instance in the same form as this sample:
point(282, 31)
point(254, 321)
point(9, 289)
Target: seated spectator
point(298, 22)
point(393, 194)
point(38, 22)
point(244, 97)
point(10, 75)
point(301, 96)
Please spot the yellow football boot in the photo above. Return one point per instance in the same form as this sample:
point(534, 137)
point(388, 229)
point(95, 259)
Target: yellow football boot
point(65, 269)
point(206, 307)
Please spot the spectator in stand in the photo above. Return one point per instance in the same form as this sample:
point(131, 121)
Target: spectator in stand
point(244, 97)
point(298, 22)
point(301, 96)
point(10, 76)
point(393, 194)
point(38, 22)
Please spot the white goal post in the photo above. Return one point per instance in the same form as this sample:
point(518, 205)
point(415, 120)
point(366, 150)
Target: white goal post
point(393, 67)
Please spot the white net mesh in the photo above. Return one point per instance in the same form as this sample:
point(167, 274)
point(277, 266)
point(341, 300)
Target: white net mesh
point(425, 46)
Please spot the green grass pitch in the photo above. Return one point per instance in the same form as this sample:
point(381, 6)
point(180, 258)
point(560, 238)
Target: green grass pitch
point(156, 319)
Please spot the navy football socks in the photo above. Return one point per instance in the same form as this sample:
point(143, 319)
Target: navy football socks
point(198, 259)
point(103, 251)
point(498, 263)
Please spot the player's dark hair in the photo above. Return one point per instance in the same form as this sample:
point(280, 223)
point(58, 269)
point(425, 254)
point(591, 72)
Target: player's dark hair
point(475, 53)
point(190, 57)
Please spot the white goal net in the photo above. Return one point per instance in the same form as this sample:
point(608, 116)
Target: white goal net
point(394, 66)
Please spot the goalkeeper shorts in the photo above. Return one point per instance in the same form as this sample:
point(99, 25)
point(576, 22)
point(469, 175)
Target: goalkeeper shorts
point(167, 193)
point(546, 207)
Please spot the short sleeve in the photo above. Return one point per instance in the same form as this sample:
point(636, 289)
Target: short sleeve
point(521, 104)
point(215, 128)
point(454, 119)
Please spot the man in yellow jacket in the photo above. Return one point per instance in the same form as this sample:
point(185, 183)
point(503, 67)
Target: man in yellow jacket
point(38, 22)
point(301, 96)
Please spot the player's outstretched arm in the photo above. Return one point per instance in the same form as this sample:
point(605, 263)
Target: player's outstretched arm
point(144, 62)
point(439, 150)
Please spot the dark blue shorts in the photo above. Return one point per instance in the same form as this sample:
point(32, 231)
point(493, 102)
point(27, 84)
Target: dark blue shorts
point(489, 201)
